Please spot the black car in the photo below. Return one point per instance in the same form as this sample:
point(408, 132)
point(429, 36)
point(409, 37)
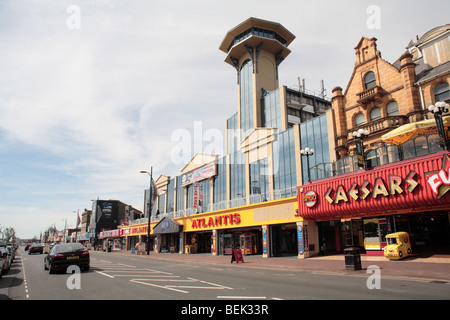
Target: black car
point(67, 254)
point(36, 247)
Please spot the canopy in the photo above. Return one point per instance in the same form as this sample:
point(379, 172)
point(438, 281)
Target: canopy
point(166, 225)
point(412, 130)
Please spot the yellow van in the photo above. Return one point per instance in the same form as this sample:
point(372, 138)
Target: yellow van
point(398, 246)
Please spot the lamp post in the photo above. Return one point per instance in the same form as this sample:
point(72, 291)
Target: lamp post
point(359, 137)
point(76, 225)
point(307, 152)
point(438, 110)
point(149, 208)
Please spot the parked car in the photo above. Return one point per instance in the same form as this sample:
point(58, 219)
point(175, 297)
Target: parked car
point(5, 260)
point(36, 247)
point(12, 251)
point(67, 254)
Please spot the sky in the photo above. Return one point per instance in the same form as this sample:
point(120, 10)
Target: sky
point(94, 91)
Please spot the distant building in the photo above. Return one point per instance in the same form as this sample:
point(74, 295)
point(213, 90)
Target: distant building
point(109, 215)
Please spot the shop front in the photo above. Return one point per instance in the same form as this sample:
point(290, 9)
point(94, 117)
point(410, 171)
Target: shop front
point(167, 233)
point(268, 229)
point(111, 240)
point(135, 234)
point(359, 209)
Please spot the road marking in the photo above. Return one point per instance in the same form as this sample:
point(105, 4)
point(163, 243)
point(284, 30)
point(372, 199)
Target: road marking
point(150, 277)
point(102, 273)
point(162, 287)
point(240, 297)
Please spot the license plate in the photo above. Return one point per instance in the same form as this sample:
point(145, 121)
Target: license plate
point(74, 257)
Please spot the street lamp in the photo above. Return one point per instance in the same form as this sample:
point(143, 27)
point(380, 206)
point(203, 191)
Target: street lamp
point(76, 226)
point(307, 152)
point(438, 110)
point(149, 208)
point(359, 137)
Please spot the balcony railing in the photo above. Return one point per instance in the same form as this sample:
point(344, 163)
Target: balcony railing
point(237, 202)
point(370, 94)
point(377, 126)
point(417, 147)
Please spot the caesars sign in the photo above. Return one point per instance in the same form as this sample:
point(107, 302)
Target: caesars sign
point(438, 181)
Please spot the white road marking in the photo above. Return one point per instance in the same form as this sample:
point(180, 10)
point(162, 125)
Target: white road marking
point(150, 277)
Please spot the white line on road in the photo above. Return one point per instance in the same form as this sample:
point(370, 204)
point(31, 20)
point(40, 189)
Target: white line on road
point(107, 275)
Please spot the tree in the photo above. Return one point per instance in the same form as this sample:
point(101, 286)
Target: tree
point(9, 235)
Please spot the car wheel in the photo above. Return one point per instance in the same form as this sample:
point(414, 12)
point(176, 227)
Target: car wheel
point(400, 254)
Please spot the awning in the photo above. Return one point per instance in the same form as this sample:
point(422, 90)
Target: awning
point(412, 130)
point(166, 225)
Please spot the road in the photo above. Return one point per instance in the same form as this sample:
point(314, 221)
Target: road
point(122, 277)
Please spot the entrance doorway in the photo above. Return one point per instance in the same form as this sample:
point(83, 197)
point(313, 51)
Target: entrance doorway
point(284, 240)
point(329, 237)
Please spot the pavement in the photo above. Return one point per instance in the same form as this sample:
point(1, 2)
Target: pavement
point(432, 268)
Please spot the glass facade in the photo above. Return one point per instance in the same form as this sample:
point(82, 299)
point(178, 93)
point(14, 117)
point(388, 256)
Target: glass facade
point(246, 92)
point(232, 134)
point(162, 203)
point(170, 196)
point(220, 182)
point(271, 110)
point(237, 175)
point(180, 194)
point(284, 170)
point(314, 135)
point(259, 181)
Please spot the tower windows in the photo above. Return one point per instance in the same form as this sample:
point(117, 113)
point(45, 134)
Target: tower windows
point(246, 101)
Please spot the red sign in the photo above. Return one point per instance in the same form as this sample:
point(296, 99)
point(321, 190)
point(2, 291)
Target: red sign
point(439, 180)
point(310, 198)
point(412, 184)
point(238, 255)
point(216, 221)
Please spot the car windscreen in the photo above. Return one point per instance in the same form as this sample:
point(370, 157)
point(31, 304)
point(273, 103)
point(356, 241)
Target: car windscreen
point(68, 247)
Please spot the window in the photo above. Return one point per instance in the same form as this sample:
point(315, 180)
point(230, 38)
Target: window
point(360, 119)
point(442, 92)
point(246, 87)
point(392, 108)
point(375, 114)
point(369, 80)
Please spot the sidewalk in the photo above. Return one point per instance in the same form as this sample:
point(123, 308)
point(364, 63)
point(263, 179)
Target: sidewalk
point(435, 268)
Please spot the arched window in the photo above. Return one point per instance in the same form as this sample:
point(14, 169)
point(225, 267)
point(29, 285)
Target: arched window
point(360, 119)
point(392, 108)
point(375, 114)
point(369, 80)
point(442, 92)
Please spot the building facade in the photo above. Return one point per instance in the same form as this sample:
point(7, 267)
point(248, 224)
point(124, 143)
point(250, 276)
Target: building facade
point(376, 188)
point(270, 198)
point(247, 196)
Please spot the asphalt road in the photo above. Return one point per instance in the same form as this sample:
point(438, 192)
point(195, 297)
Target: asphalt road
point(119, 277)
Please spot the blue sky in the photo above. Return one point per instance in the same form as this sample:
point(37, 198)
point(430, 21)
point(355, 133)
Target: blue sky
point(83, 109)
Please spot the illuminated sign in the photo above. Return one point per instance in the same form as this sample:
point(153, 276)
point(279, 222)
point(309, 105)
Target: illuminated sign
point(379, 189)
point(439, 180)
point(310, 198)
point(217, 221)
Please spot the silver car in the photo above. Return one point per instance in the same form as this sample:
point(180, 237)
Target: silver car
point(5, 261)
